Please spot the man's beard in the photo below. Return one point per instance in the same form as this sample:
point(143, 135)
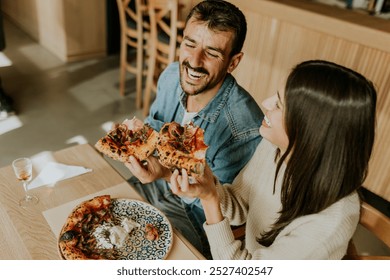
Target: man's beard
point(193, 93)
point(202, 88)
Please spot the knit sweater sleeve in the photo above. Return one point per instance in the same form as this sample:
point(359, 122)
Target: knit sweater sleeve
point(324, 235)
point(222, 243)
point(236, 197)
point(234, 202)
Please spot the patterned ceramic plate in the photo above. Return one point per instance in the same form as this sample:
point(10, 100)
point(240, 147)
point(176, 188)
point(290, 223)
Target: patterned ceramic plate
point(137, 246)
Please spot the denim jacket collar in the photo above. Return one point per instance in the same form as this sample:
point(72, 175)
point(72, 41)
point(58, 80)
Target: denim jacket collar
point(212, 110)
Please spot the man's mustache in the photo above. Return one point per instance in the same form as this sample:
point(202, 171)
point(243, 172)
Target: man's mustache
point(196, 69)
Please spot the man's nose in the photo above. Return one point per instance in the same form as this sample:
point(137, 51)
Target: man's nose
point(196, 58)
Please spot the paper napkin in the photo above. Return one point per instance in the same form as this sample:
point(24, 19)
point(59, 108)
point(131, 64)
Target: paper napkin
point(53, 172)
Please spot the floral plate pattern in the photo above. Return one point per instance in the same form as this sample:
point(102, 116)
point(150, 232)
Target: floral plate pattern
point(137, 247)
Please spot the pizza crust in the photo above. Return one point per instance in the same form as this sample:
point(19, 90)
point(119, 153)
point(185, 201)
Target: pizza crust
point(171, 160)
point(111, 151)
point(120, 148)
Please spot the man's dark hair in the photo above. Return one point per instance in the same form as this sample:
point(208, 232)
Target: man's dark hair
point(222, 16)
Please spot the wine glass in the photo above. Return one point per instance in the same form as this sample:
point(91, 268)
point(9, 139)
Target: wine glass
point(23, 171)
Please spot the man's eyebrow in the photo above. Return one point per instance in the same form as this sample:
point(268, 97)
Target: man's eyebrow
point(189, 39)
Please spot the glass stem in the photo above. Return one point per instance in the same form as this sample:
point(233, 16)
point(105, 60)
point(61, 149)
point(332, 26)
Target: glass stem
point(25, 188)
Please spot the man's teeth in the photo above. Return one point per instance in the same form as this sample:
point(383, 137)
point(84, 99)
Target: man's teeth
point(267, 121)
point(194, 75)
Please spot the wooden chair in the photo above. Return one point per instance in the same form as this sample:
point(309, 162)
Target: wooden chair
point(165, 29)
point(238, 232)
point(134, 33)
point(375, 222)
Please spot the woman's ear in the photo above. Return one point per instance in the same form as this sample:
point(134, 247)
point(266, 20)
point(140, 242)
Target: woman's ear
point(234, 61)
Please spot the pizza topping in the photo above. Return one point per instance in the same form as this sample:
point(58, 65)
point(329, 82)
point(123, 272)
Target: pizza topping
point(123, 136)
point(129, 225)
point(69, 235)
point(134, 123)
point(182, 147)
point(151, 233)
point(118, 235)
point(102, 236)
point(180, 138)
point(128, 139)
point(111, 236)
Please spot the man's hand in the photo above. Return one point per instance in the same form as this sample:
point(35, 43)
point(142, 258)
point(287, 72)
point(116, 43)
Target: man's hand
point(148, 171)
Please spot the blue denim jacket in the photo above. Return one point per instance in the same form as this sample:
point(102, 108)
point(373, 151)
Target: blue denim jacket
point(230, 121)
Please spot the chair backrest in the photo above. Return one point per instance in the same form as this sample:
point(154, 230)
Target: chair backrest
point(131, 17)
point(375, 222)
point(163, 16)
point(163, 42)
point(134, 27)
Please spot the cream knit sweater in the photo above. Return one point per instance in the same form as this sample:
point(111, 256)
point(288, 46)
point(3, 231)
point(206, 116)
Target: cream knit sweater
point(250, 199)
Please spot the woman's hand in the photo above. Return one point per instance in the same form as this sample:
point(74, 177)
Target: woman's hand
point(149, 170)
point(203, 188)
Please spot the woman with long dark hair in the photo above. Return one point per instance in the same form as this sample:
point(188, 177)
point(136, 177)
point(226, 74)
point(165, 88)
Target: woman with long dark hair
point(298, 194)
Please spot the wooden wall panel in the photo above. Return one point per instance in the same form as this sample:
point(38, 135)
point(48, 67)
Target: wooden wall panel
point(24, 14)
point(70, 29)
point(275, 44)
point(85, 28)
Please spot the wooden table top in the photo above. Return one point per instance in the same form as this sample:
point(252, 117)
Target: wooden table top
point(28, 234)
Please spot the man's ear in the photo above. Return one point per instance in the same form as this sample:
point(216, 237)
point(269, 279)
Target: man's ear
point(234, 61)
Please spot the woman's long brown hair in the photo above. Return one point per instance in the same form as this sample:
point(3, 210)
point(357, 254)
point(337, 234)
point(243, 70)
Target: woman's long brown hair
point(330, 123)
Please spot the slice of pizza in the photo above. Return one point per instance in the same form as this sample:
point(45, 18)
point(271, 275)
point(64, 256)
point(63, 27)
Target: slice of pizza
point(122, 142)
point(182, 147)
point(76, 241)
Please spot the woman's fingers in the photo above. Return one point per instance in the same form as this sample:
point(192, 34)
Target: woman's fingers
point(184, 184)
point(175, 185)
point(180, 184)
point(134, 166)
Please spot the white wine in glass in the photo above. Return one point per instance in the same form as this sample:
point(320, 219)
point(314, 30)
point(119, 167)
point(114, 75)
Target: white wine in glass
point(23, 171)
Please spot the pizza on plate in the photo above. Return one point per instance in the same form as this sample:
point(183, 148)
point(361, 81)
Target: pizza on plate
point(122, 142)
point(76, 240)
point(96, 230)
point(182, 147)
